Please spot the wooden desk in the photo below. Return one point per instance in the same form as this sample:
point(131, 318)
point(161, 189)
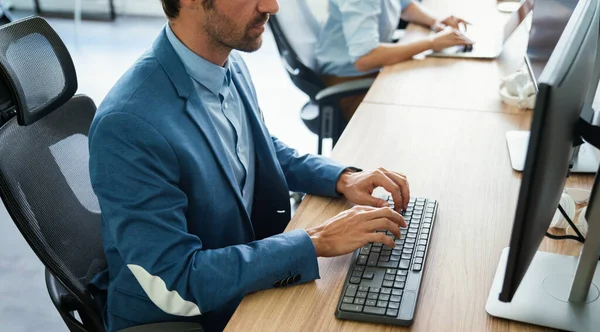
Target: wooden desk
point(456, 157)
point(453, 83)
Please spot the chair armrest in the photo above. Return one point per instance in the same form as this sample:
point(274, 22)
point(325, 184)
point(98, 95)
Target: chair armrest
point(166, 327)
point(346, 89)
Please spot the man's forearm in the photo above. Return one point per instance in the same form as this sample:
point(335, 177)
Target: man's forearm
point(416, 13)
point(388, 54)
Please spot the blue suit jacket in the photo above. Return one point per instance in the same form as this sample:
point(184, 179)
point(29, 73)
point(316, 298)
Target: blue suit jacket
point(179, 243)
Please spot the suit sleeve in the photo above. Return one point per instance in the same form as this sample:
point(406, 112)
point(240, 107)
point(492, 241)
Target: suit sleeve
point(135, 174)
point(315, 175)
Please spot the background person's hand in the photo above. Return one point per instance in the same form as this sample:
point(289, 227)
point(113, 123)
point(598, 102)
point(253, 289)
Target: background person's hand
point(358, 187)
point(448, 38)
point(450, 21)
point(354, 228)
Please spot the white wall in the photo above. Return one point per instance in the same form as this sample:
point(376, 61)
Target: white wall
point(123, 7)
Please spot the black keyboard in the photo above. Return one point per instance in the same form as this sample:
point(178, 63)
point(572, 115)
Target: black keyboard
point(383, 283)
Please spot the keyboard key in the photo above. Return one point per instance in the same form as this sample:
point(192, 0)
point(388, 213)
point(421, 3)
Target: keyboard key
point(407, 251)
point(398, 243)
point(400, 278)
point(351, 307)
point(388, 277)
point(387, 283)
point(429, 209)
point(359, 301)
point(362, 295)
point(404, 264)
point(386, 252)
point(373, 257)
point(355, 280)
point(397, 251)
point(377, 244)
point(391, 271)
point(384, 258)
point(384, 297)
point(371, 302)
point(409, 245)
point(357, 274)
point(386, 291)
point(420, 254)
point(348, 299)
point(375, 249)
point(397, 292)
point(363, 288)
point(365, 250)
point(373, 296)
point(417, 267)
point(351, 290)
point(404, 256)
point(401, 273)
point(359, 268)
point(399, 285)
point(394, 305)
point(424, 236)
point(392, 264)
point(382, 304)
point(395, 298)
point(374, 289)
point(418, 260)
point(361, 260)
point(425, 231)
point(386, 247)
point(368, 275)
point(421, 248)
point(411, 235)
point(395, 258)
point(392, 313)
point(410, 241)
point(429, 215)
point(422, 243)
point(374, 311)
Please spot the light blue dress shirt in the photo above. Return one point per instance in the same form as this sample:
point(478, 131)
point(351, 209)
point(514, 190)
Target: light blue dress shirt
point(220, 97)
point(353, 29)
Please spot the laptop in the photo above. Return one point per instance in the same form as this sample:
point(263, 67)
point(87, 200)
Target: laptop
point(487, 44)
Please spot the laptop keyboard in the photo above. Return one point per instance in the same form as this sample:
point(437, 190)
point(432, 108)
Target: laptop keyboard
point(382, 283)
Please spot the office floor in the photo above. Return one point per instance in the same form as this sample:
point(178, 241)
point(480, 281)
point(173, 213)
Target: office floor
point(102, 52)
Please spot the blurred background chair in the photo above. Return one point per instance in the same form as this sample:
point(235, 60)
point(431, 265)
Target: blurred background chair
point(44, 176)
point(296, 29)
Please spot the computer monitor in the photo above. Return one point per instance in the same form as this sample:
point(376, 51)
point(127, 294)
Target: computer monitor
point(548, 23)
point(531, 286)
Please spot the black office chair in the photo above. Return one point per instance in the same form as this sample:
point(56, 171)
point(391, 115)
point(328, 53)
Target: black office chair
point(44, 177)
point(296, 32)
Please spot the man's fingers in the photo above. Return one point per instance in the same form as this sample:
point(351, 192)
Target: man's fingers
point(382, 180)
point(381, 238)
point(384, 224)
point(401, 181)
point(386, 213)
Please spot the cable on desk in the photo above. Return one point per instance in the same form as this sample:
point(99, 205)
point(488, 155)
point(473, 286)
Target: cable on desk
point(579, 236)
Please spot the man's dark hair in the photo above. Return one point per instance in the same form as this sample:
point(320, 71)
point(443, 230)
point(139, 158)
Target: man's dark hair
point(171, 8)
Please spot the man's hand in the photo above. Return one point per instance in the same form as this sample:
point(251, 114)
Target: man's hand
point(450, 21)
point(358, 187)
point(354, 228)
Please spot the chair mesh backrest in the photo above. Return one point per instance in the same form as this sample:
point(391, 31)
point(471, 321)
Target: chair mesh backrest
point(301, 29)
point(37, 66)
point(44, 175)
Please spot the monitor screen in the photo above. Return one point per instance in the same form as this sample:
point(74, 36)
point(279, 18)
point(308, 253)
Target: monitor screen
point(549, 20)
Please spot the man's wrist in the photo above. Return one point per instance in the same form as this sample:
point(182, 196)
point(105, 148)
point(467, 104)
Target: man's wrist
point(343, 179)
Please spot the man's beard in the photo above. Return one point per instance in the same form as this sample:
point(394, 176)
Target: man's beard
point(222, 32)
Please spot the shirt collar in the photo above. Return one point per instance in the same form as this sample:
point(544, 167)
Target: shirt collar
point(212, 76)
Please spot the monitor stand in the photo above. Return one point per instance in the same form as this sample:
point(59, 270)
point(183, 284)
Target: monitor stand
point(543, 296)
point(557, 291)
point(587, 161)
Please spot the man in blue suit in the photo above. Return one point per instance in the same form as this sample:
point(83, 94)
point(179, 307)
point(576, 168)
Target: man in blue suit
point(194, 190)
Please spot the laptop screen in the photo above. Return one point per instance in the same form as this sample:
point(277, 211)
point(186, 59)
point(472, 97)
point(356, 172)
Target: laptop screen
point(517, 17)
